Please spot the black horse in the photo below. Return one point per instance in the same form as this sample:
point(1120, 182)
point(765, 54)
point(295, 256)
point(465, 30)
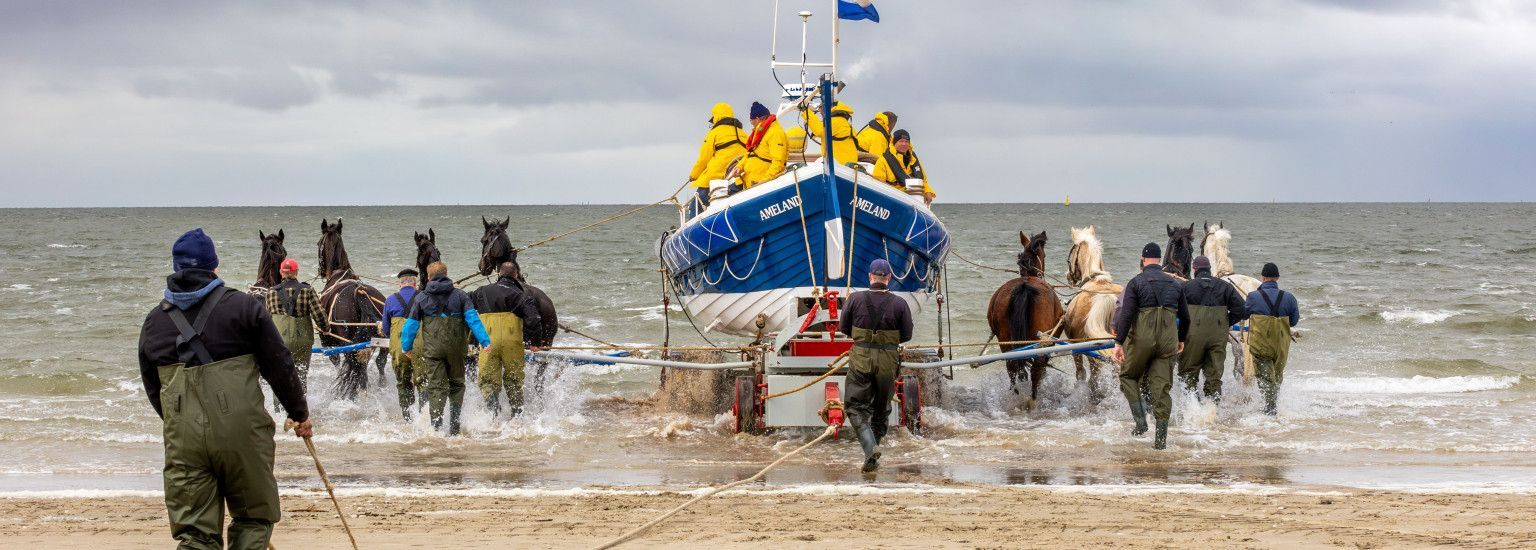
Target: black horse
point(1179, 255)
point(426, 253)
point(352, 311)
point(268, 272)
point(495, 248)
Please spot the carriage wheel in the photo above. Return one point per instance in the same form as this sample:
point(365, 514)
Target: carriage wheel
point(909, 393)
point(745, 404)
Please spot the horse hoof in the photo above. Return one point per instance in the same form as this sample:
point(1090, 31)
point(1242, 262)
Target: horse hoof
point(1029, 405)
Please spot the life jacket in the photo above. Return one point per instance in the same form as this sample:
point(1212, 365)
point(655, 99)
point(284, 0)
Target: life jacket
point(878, 128)
point(852, 135)
point(757, 135)
point(728, 121)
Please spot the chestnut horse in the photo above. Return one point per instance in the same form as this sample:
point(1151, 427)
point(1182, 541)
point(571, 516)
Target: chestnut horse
point(352, 311)
point(1023, 308)
point(1091, 312)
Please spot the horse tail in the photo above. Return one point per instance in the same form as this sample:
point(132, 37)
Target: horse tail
point(1020, 305)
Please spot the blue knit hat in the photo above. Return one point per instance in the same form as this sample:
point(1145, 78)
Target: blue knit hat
point(880, 268)
point(758, 110)
point(193, 250)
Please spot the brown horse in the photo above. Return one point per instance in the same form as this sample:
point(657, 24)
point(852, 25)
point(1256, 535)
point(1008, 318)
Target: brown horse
point(1023, 308)
point(352, 311)
point(268, 272)
point(426, 253)
point(1179, 255)
point(495, 248)
point(1090, 312)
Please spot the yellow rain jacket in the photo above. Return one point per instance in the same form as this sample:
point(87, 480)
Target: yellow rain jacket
point(845, 148)
point(766, 161)
point(723, 144)
point(906, 165)
point(875, 138)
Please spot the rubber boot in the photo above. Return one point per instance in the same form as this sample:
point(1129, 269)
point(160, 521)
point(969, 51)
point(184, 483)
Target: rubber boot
point(1139, 414)
point(1160, 441)
point(1270, 397)
point(867, 441)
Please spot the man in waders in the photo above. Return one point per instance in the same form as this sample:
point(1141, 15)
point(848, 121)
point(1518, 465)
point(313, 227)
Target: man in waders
point(295, 310)
point(506, 309)
point(441, 320)
point(1214, 306)
point(1271, 314)
point(878, 322)
point(396, 306)
point(1150, 328)
point(200, 352)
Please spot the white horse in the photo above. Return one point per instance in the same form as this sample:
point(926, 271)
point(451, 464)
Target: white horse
point(1091, 312)
point(1215, 248)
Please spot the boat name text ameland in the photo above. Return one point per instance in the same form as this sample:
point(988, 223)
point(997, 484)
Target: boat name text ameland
point(873, 210)
point(779, 208)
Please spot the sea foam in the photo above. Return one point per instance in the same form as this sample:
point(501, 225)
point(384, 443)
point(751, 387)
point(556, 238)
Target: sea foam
point(1415, 385)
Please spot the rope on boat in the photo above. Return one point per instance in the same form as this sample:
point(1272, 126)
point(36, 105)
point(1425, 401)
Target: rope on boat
point(566, 328)
point(759, 475)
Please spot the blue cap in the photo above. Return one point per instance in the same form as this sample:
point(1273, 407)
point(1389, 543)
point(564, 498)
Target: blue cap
point(193, 250)
point(758, 110)
point(880, 267)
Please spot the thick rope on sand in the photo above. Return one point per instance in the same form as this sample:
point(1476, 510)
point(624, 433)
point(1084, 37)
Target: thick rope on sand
point(759, 475)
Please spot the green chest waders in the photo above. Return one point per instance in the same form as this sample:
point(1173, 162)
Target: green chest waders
point(1149, 350)
point(407, 379)
point(440, 347)
point(871, 380)
point(1205, 348)
point(501, 365)
point(1269, 338)
point(218, 444)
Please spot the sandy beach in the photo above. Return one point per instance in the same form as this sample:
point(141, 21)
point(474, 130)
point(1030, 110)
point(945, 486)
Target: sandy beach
point(915, 516)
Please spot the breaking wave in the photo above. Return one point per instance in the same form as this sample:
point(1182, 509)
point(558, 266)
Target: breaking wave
point(1415, 385)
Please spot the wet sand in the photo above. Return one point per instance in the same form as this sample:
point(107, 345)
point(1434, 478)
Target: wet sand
point(947, 516)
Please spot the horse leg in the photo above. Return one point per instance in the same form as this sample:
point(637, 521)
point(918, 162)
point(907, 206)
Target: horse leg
point(1095, 388)
point(1077, 360)
point(1036, 374)
point(1015, 370)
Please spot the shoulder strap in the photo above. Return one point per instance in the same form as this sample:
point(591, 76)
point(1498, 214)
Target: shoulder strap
point(189, 344)
point(1273, 311)
point(896, 168)
point(869, 310)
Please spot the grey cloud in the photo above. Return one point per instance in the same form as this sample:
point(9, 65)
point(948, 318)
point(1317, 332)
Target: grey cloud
point(266, 89)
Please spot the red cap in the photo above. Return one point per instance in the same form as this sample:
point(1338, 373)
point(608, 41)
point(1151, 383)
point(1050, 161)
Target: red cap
point(290, 264)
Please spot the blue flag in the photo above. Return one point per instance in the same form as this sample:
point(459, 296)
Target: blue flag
point(855, 10)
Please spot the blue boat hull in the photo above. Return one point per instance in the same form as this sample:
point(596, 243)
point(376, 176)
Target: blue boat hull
point(752, 253)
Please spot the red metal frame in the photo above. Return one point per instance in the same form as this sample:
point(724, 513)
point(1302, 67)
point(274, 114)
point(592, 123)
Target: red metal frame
point(834, 416)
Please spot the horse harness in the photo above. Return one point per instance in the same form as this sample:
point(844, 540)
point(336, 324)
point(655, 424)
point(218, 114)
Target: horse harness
point(189, 344)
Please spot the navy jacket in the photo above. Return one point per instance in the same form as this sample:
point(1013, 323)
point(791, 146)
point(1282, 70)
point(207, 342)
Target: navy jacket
point(1151, 288)
point(890, 312)
point(1205, 290)
point(397, 305)
point(1284, 301)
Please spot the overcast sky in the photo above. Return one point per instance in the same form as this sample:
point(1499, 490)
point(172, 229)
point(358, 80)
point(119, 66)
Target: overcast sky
point(261, 103)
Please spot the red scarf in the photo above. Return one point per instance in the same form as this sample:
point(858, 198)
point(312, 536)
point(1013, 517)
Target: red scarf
point(758, 131)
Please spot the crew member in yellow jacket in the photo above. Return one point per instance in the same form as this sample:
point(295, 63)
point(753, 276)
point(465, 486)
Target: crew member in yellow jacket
point(767, 148)
point(900, 163)
point(875, 138)
point(723, 144)
point(845, 145)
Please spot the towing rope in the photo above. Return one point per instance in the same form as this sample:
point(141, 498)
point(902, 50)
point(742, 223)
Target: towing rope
point(835, 364)
point(759, 475)
point(550, 239)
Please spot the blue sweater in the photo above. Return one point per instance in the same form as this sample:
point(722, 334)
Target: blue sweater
point(1286, 303)
point(394, 306)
